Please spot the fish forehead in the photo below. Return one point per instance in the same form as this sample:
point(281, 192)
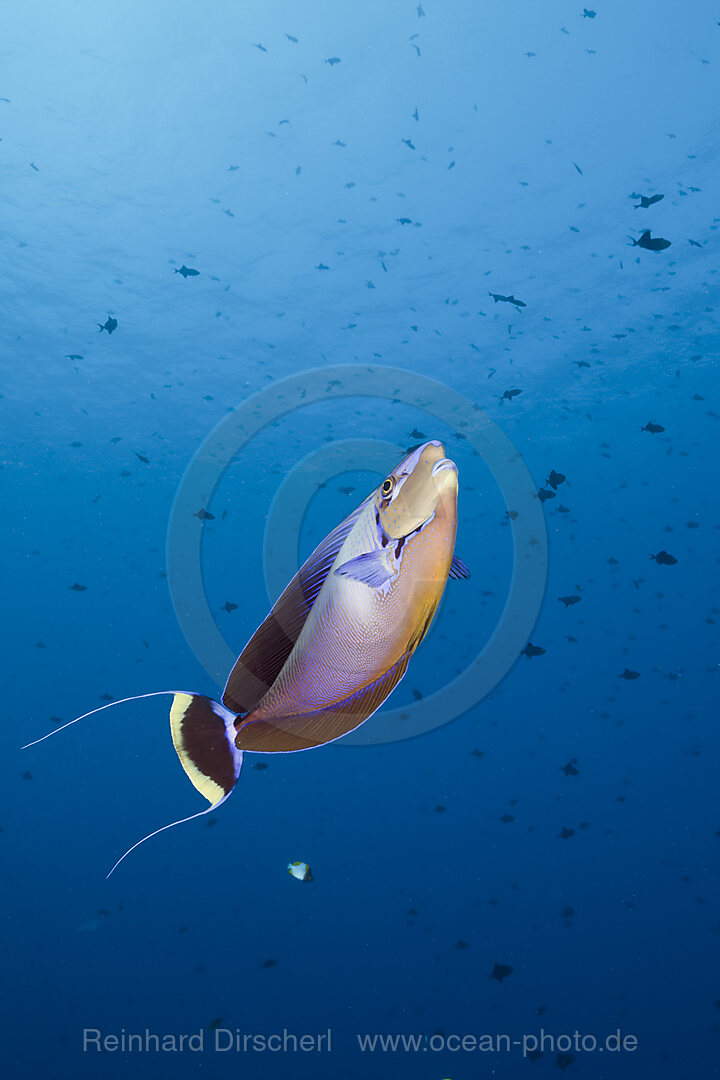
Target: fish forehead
point(433, 450)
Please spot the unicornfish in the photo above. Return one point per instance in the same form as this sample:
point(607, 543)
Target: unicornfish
point(339, 638)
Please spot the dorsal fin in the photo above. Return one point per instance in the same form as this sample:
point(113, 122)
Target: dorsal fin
point(262, 659)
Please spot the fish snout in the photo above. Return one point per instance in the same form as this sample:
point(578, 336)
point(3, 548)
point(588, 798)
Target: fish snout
point(445, 475)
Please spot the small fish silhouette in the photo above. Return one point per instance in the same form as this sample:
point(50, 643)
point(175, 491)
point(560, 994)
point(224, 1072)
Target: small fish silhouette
point(110, 324)
point(187, 271)
point(664, 559)
point(555, 479)
point(656, 243)
point(646, 200)
point(501, 971)
point(532, 650)
point(498, 297)
point(654, 429)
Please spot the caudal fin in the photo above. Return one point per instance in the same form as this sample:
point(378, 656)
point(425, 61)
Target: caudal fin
point(203, 734)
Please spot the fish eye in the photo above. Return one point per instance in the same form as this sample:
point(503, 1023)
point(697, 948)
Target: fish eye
point(387, 488)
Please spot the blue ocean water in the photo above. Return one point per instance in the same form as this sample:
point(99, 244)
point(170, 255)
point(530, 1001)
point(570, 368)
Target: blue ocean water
point(352, 184)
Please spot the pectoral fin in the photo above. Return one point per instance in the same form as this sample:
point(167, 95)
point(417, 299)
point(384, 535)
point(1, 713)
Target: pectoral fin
point(374, 568)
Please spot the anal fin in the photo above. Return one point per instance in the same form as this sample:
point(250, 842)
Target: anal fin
point(283, 734)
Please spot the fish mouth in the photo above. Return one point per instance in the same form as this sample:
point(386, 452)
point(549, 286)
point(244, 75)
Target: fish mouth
point(440, 466)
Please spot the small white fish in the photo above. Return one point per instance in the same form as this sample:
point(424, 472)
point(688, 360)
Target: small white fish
point(300, 870)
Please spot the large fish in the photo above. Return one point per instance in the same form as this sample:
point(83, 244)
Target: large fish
point(338, 640)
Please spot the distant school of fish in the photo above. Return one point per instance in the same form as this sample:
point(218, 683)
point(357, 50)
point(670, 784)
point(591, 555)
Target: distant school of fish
point(338, 640)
